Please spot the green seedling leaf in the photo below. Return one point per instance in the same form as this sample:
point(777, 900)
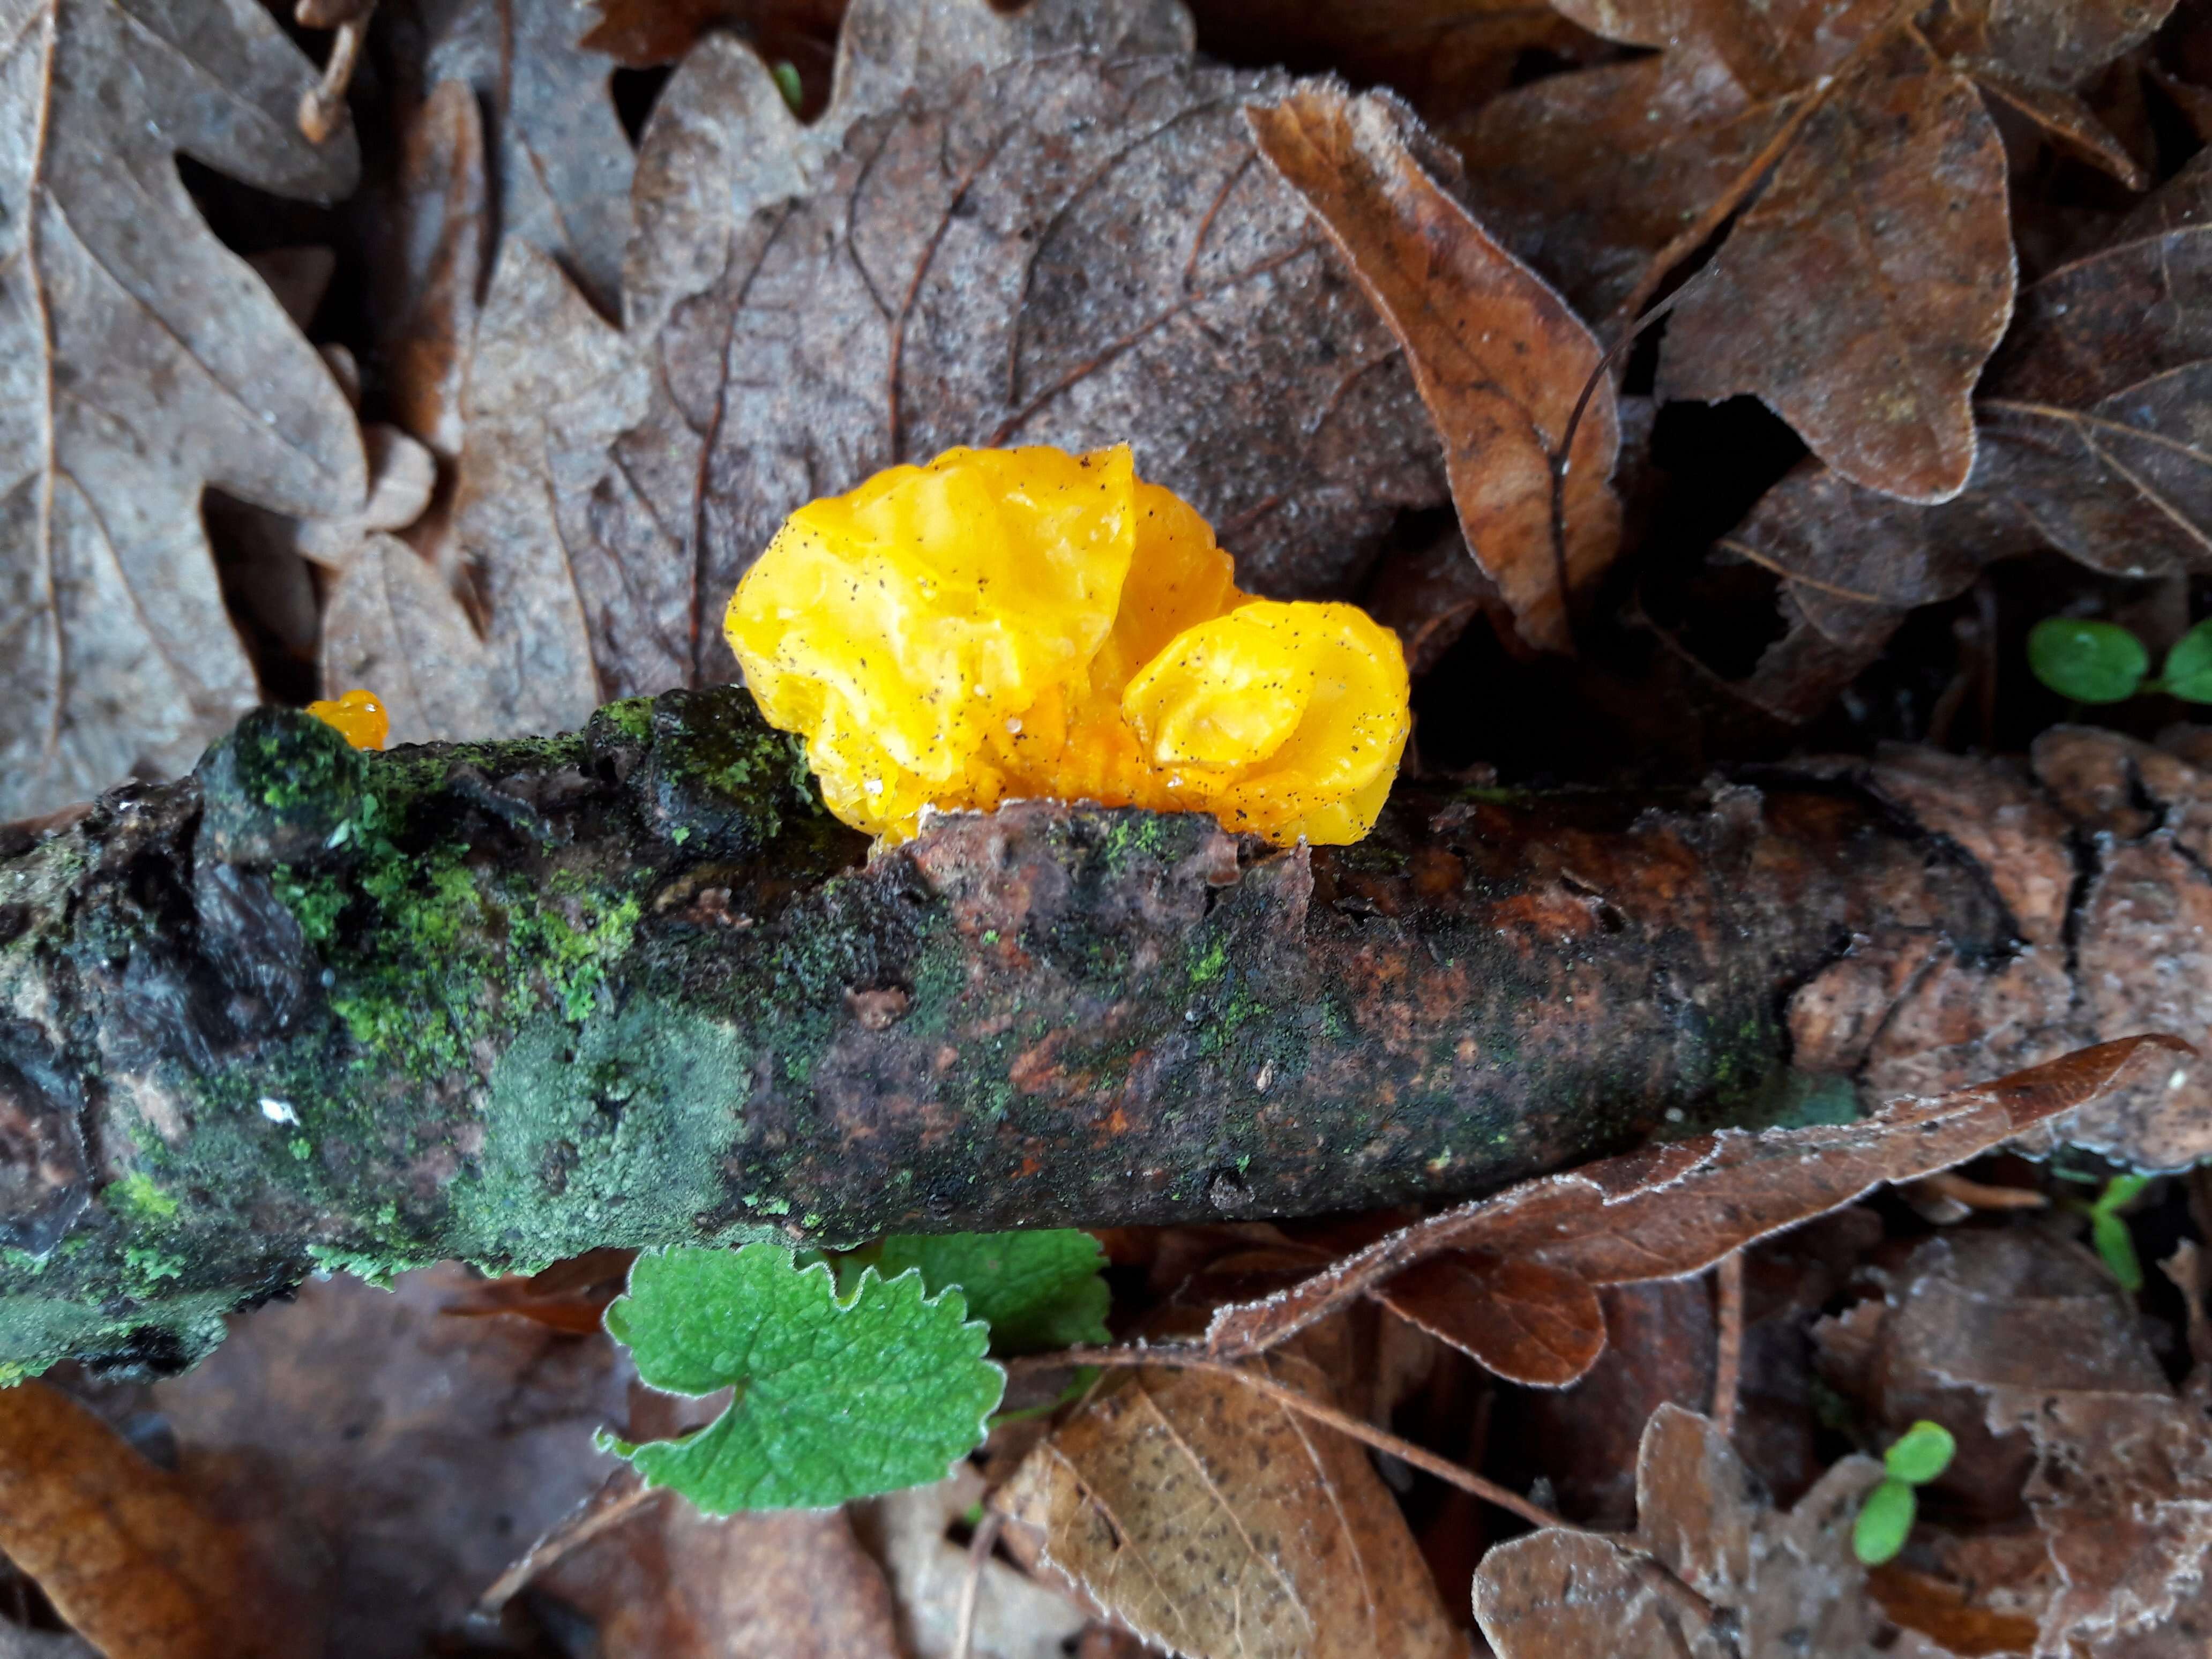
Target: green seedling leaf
point(785, 75)
point(2087, 661)
point(2116, 1246)
point(2121, 1191)
point(2188, 673)
point(1922, 1452)
point(836, 1396)
point(1883, 1523)
point(1037, 1291)
point(2109, 1232)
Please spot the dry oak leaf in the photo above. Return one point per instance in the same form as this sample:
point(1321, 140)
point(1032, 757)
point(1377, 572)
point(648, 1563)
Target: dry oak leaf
point(139, 361)
point(1050, 225)
point(560, 162)
point(2096, 441)
point(1501, 362)
point(1871, 275)
point(123, 1550)
point(1671, 1210)
point(1218, 1524)
point(1771, 1582)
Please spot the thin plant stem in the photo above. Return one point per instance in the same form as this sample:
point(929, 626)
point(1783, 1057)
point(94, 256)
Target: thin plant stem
point(1727, 1367)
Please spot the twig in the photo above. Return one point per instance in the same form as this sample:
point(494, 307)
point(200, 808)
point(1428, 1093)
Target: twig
point(323, 104)
point(1980, 1194)
point(1381, 1439)
point(1728, 1366)
point(622, 1496)
point(978, 1556)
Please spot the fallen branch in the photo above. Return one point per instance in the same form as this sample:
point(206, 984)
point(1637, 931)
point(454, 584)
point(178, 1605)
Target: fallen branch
point(510, 1001)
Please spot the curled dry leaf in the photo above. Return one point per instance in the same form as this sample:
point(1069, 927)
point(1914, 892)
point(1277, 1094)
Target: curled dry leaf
point(1531, 1323)
point(1500, 361)
point(2092, 423)
point(140, 361)
point(1218, 1524)
point(1862, 291)
point(123, 1550)
point(1709, 1571)
point(1675, 1209)
point(427, 279)
point(1047, 226)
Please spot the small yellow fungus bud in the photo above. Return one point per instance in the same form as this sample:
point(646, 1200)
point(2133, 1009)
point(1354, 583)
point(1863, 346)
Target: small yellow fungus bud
point(358, 716)
point(1025, 622)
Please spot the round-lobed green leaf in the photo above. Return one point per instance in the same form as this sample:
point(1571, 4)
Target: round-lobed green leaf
point(1036, 1289)
point(2188, 673)
point(2088, 662)
point(1922, 1452)
point(1884, 1521)
point(836, 1396)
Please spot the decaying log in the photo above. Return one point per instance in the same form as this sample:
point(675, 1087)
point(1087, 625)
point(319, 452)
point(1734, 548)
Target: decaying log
point(506, 1001)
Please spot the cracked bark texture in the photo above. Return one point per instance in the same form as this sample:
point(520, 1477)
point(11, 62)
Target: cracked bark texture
point(629, 986)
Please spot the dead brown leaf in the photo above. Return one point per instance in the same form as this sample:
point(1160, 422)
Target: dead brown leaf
point(1443, 57)
point(1676, 1208)
point(1221, 1525)
point(560, 163)
point(1865, 331)
point(1872, 275)
point(416, 1452)
point(1046, 227)
point(1904, 1014)
point(569, 1296)
point(140, 361)
point(123, 1550)
point(1500, 361)
point(673, 1584)
point(2091, 443)
point(434, 264)
point(1770, 1583)
point(800, 33)
point(909, 1531)
point(2021, 1343)
point(1529, 1322)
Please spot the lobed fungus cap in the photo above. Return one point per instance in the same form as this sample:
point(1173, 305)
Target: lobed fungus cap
point(1026, 623)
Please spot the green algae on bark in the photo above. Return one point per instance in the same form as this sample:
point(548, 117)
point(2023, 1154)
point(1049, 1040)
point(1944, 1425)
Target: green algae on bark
point(508, 1001)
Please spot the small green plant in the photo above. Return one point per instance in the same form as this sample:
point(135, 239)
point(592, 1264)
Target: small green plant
point(849, 1381)
point(2102, 662)
point(1921, 1453)
point(1036, 1290)
point(2108, 1228)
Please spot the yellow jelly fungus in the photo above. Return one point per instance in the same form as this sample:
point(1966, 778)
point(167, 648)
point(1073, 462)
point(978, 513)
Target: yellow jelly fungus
point(358, 716)
point(1027, 624)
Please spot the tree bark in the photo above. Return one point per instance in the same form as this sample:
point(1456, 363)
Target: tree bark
point(509, 1001)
